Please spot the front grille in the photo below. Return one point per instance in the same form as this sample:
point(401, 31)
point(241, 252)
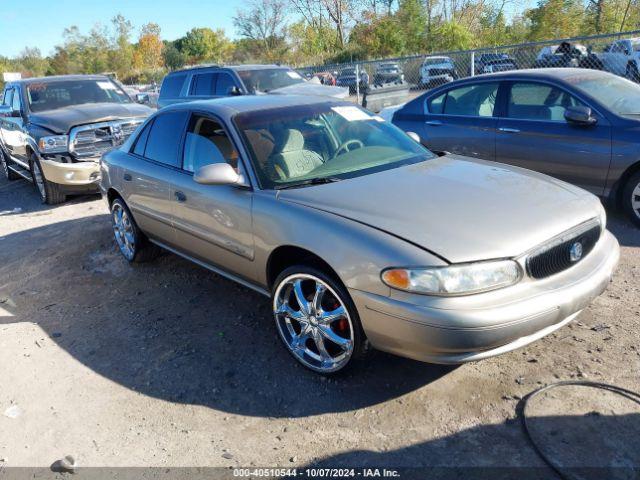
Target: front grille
point(558, 258)
point(439, 71)
point(93, 140)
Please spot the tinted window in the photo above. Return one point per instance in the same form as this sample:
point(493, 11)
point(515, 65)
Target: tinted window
point(206, 143)
point(172, 85)
point(436, 104)
point(537, 101)
point(15, 103)
point(164, 138)
point(225, 82)
point(141, 141)
point(472, 101)
point(203, 84)
point(8, 97)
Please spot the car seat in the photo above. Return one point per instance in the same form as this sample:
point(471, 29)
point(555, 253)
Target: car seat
point(290, 159)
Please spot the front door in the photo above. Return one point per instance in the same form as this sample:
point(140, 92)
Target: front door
point(212, 222)
point(12, 126)
point(534, 134)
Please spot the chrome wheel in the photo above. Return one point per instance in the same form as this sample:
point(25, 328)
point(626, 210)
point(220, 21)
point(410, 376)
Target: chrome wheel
point(313, 322)
point(123, 231)
point(635, 200)
point(39, 179)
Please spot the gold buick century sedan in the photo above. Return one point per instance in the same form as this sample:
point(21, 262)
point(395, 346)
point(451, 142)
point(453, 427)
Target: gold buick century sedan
point(359, 234)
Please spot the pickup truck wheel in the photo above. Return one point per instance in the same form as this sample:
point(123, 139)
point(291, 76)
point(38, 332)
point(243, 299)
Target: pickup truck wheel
point(632, 72)
point(9, 174)
point(631, 198)
point(132, 243)
point(50, 193)
point(317, 320)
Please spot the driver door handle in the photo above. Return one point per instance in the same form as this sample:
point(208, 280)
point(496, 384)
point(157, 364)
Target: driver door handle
point(433, 123)
point(509, 130)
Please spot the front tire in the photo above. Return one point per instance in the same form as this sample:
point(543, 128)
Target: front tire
point(132, 243)
point(50, 193)
point(317, 320)
point(631, 198)
point(9, 174)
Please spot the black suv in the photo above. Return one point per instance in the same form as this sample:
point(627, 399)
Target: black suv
point(214, 81)
point(53, 131)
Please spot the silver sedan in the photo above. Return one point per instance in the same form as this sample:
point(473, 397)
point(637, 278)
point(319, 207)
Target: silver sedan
point(360, 236)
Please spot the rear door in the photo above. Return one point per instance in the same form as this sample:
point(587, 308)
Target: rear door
point(461, 120)
point(147, 180)
point(534, 134)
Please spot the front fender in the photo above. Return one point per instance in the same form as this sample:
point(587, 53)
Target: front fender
point(356, 252)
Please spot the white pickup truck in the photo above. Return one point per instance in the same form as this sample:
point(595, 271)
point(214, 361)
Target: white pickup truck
point(623, 58)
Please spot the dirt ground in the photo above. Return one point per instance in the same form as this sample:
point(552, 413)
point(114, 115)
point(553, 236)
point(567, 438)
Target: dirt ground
point(166, 364)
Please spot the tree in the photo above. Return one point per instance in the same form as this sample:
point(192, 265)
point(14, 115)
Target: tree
point(556, 19)
point(121, 56)
point(148, 51)
point(412, 18)
point(204, 44)
point(451, 36)
point(173, 58)
point(31, 62)
point(263, 22)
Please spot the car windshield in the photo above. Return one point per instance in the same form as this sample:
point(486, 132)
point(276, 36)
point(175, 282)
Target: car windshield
point(299, 145)
point(267, 79)
point(619, 95)
point(52, 95)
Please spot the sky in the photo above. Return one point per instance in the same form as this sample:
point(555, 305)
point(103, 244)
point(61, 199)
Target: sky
point(40, 23)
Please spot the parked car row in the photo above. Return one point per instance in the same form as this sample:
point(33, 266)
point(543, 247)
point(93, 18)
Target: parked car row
point(357, 232)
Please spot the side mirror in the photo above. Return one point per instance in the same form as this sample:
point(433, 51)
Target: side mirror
point(234, 91)
point(6, 111)
point(580, 115)
point(218, 174)
point(414, 136)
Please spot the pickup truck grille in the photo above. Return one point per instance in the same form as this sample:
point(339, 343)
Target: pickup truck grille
point(90, 141)
point(559, 257)
point(439, 71)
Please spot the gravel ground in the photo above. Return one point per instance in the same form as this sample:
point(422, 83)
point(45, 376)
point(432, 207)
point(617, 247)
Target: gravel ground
point(166, 364)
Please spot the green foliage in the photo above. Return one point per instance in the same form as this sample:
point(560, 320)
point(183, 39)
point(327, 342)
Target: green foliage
point(205, 45)
point(451, 36)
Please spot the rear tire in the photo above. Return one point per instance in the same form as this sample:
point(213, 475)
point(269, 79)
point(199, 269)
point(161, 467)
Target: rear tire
point(132, 243)
point(9, 174)
point(631, 198)
point(50, 193)
point(317, 320)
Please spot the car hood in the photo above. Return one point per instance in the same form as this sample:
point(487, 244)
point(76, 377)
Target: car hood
point(439, 66)
point(61, 120)
point(313, 89)
point(456, 207)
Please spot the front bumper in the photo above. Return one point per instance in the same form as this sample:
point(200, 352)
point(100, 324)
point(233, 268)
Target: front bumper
point(72, 174)
point(462, 329)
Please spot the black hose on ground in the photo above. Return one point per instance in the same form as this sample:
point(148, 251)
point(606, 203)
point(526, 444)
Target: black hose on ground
point(630, 395)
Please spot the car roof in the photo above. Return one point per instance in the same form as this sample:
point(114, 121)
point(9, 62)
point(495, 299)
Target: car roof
point(228, 106)
point(538, 73)
point(58, 78)
point(237, 68)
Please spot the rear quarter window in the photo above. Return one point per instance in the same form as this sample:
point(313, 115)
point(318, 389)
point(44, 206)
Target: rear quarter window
point(172, 85)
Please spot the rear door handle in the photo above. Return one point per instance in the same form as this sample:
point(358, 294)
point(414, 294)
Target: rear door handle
point(181, 197)
point(127, 177)
point(433, 123)
point(509, 130)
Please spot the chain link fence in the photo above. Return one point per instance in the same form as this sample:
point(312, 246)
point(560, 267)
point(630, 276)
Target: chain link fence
point(616, 53)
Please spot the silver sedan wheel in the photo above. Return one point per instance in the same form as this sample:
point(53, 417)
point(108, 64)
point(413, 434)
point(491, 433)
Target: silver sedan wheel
point(123, 231)
point(313, 322)
point(635, 200)
point(39, 179)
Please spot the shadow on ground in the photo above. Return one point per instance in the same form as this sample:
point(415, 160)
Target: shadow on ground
point(175, 331)
point(592, 446)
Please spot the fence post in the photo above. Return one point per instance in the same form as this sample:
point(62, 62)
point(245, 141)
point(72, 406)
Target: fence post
point(357, 84)
point(473, 64)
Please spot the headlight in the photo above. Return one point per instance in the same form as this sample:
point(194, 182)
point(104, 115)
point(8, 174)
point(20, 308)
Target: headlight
point(53, 144)
point(455, 279)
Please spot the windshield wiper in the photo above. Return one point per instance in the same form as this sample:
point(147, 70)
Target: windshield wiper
point(310, 181)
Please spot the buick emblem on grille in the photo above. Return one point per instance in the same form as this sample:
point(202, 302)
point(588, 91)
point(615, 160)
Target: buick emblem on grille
point(575, 252)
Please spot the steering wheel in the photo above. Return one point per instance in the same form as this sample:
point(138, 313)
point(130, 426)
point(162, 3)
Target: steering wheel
point(345, 146)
